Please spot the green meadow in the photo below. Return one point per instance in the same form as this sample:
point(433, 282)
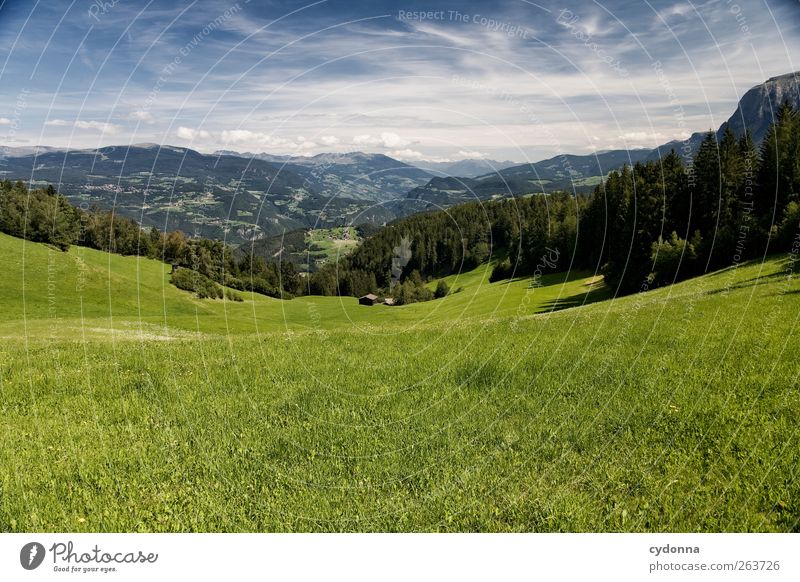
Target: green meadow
point(84, 293)
point(334, 242)
point(129, 405)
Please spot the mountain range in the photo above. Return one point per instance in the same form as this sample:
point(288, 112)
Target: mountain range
point(468, 168)
point(241, 197)
point(356, 175)
point(214, 196)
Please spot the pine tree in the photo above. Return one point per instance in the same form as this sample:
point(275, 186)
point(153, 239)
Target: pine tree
point(779, 174)
point(706, 203)
point(730, 235)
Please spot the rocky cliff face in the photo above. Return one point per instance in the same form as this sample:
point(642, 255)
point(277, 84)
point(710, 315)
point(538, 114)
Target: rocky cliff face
point(759, 106)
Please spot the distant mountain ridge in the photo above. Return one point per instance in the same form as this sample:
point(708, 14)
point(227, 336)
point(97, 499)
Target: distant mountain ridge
point(565, 172)
point(469, 168)
point(18, 152)
point(356, 175)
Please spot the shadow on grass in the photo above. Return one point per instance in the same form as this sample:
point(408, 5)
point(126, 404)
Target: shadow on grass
point(595, 288)
point(594, 293)
point(549, 279)
point(751, 282)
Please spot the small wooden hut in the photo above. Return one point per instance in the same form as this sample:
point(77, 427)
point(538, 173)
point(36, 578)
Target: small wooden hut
point(368, 299)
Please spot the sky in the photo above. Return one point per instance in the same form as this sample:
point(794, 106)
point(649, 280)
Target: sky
point(440, 81)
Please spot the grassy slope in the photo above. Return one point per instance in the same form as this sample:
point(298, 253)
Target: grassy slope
point(94, 294)
point(671, 410)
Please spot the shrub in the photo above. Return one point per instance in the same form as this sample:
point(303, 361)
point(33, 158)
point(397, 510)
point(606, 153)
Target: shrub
point(234, 282)
point(262, 286)
point(423, 294)
point(412, 290)
point(232, 295)
point(403, 294)
point(789, 225)
point(501, 271)
point(671, 256)
point(442, 289)
point(200, 285)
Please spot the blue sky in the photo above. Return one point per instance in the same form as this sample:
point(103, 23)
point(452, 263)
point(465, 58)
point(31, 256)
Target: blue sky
point(415, 80)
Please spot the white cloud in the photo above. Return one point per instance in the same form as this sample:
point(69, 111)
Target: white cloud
point(100, 126)
point(192, 134)
point(472, 155)
point(440, 33)
point(392, 140)
point(329, 140)
point(386, 139)
point(648, 138)
point(407, 155)
point(640, 135)
point(307, 145)
point(679, 10)
point(239, 136)
point(5, 121)
point(364, 139)
point(257, 139)
point(144, 116)
point(254, 138)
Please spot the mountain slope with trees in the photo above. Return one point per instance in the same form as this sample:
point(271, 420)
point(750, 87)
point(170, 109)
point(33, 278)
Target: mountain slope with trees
point(645, 225)
point(755, 111)
point(45, 216)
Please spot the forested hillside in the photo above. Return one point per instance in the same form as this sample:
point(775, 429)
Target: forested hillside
point(579, 174)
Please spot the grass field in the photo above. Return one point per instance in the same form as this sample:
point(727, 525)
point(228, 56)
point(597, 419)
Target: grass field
point(335, 242)
point(90, 294)
point(323, 245)
point(127, 405)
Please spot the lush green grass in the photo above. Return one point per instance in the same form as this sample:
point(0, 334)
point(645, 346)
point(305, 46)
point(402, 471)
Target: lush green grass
point(87, 293)
point(325, 245)
point(676, 409)
point(334, 241)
